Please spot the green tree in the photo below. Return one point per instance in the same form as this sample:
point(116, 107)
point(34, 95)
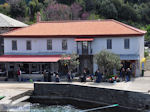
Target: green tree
point(5, 8)
point(71, 61)
point(67, 2)
point(107, 9)
point(128, 13)
point(34, 7)
point(18, 8)
point(107, 61)
point(147, 36)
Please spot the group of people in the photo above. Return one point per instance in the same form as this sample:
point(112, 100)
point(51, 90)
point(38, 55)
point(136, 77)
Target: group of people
point(98, 76)
point(125, 74)
point(49, 76)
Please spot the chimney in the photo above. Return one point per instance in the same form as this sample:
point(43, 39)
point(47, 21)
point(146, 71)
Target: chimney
point(38, 18)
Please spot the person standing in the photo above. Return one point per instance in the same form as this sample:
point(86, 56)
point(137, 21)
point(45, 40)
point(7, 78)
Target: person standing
point(128, 74)
point(98, 76)
point(19, 75)
point(84, 75)
point(123, 73)
point(50, 76)
point(69, 76)
point(45, 76)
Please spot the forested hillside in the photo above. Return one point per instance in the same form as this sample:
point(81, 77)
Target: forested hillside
point(133, 12)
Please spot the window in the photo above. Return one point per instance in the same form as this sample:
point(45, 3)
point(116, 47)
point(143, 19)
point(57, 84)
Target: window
point(84, 47)
point(49, 44)
point(14, 44)
point(109, 44)
point(64, 45)
point(28, 45)
point(126, 43)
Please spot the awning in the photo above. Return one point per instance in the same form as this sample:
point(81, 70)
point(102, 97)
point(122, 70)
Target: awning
point(129, 57)
point(30, 58)
point(84, 39)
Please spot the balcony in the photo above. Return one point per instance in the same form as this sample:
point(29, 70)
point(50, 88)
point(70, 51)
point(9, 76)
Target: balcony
point(84, 52)
point(84, 47)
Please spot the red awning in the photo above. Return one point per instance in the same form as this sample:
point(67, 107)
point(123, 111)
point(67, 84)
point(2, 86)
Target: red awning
point(30, 58)
point(84, 39)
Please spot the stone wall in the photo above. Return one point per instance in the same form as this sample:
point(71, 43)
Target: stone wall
point(108, 96)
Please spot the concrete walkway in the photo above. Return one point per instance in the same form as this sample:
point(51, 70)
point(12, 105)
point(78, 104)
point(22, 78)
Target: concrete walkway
point(140, 84)
point(11, 89)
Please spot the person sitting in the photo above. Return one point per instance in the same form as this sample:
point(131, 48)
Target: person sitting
point(57, 78)
point(83, 76)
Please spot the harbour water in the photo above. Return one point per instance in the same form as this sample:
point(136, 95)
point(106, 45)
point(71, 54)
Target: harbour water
point(61, 108)
point(43, 108)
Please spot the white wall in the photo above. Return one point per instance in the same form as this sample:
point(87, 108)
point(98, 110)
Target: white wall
point(39, 45)
point(117, 45)
point(136, 47)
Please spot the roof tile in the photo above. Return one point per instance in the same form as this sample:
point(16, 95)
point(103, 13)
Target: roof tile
point(76, 28)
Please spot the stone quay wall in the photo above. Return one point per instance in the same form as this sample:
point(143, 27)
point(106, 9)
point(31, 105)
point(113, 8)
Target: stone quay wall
point(93, 94)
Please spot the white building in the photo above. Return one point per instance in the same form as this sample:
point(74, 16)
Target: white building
point(41, 45)
point(8, 24)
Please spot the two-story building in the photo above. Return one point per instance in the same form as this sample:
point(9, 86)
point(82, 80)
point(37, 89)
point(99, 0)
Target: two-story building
point(40, 46)
point(8, 24)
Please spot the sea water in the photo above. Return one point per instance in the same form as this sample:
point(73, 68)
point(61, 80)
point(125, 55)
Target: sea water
point(43, 108)
point(29, 107)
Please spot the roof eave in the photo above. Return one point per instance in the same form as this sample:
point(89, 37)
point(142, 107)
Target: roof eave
point(58, 36)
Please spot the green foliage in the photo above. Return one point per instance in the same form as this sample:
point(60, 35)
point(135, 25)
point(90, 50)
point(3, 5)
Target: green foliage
point(67, 2)
point(146, 53)
point(34, 7)
point(94, 16)
point(18, 8)
point(147, 36)
point(5, 8)
point(72, 63)
point(107, 61)
point(107, 9)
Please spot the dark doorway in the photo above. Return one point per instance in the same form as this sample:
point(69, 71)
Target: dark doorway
point(86, 62)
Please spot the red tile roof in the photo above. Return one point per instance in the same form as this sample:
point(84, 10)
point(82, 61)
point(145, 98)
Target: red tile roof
point(30, 58)
point(76, 28)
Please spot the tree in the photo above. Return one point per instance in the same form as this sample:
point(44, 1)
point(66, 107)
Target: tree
point(17, 8)
point(147, 36)
point(107, 61)
point(76, 11)
point(107, 9)
point(67, 2)
point(58, 12)
point(34, 7)
point(5, 8)
point(128, 13)
point(72, 62)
